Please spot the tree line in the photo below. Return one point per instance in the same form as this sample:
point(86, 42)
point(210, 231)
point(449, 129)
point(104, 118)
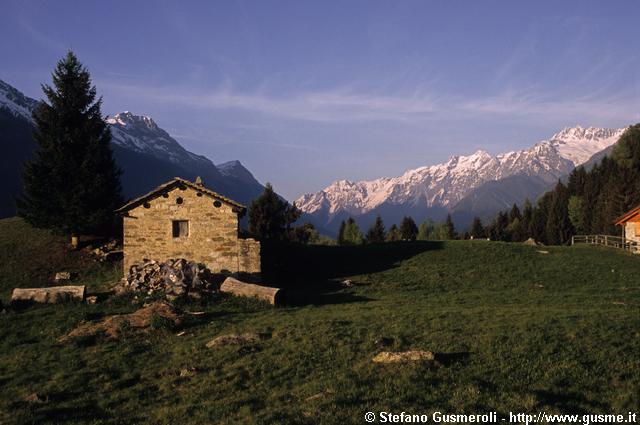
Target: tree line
point(588, 203)
point(349, 232)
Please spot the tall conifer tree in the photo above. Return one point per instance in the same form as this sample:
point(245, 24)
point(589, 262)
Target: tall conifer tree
point(340, 239)
point(477, 230)
point(270, 216)
point(408, 229)
point(451, 230)
point(72, 183)
point(376, 233)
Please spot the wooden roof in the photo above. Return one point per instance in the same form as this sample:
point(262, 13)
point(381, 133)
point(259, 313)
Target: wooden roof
point(176, 183)
point(627, 216)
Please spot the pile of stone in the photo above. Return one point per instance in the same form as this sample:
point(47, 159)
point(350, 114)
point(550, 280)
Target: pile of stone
point(172, 278)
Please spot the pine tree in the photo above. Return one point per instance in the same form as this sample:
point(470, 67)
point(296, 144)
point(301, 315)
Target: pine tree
point(408, 229)
point(376, 233)
point(451, 230)
point(72, 183)
point(576, 213)
point(577, 181)
point(440, 232)
point(352, 233)
point(514, 213)
point(498, 229)
point(394, 234)
point(426, 230)
point(527, 216)
point(558, 227)
point(477, 230)
point(340, 239)
point(270, 216)
point(537, 229)
point(627, 151)
point(304, 234)
point(516, 231)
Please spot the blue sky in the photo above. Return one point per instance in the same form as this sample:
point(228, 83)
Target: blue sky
point(307, 92)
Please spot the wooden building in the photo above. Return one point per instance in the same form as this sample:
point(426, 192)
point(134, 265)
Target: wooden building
point(630, 223)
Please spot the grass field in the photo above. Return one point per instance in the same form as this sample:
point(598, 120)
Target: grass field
point(515, 330)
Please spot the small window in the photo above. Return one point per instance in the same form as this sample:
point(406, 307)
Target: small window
point(180, 228)
point(217, 204)
point(179, 201)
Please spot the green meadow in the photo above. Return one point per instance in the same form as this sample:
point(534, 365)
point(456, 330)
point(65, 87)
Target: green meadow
point(515, 328)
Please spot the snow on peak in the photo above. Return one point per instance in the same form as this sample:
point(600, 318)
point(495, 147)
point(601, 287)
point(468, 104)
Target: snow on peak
point(578, 144)
point(14, 101)
point(447, 183)
point(126, 118)
point(140, 133)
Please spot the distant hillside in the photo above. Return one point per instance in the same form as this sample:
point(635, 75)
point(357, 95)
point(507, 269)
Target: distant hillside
point(17, 144)
point(494, 196)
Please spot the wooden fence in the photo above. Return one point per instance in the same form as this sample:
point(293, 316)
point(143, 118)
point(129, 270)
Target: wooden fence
point(607, 240)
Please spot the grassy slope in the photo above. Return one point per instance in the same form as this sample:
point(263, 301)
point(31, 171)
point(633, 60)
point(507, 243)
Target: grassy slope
point(523, 331)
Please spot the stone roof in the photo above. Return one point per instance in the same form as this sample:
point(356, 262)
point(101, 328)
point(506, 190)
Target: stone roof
point(177, 182)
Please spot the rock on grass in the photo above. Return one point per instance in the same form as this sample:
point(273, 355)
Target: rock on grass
point(405, 356)
point(237, 339)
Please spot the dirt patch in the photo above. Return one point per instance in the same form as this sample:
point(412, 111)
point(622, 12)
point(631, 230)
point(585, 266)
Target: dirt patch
point(152, 316)
point(406, 356)
point(238, 339)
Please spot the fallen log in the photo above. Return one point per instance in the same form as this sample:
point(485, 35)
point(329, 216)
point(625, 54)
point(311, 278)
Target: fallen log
point(51, 295)
point(236, 287)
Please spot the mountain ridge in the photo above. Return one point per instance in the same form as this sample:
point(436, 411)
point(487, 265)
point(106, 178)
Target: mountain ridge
point(446, 184)
point(146, 153)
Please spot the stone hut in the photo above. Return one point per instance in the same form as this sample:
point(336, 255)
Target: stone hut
point(630, 223)
point(184, 219)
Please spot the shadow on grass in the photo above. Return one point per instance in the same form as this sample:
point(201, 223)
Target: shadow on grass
point(569, 401)
point(318, 296)
point(310, 273)
point(297, 266)
point(447, 359)
point(55, 410)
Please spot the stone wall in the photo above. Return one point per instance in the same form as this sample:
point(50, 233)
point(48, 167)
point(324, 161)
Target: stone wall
point(212, 239)
point(632, 231)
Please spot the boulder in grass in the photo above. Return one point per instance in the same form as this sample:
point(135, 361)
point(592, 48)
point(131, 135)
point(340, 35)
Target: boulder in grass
point(36, 398)
point(62, 277)
point(404, 356)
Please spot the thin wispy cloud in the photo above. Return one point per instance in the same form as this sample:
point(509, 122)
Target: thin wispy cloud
point(343, 105)
point(44, 40)
point(331, 106)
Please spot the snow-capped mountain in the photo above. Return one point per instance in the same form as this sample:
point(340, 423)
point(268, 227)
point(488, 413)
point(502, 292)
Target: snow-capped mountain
point(578, 144)
point(140, 133)
point(15, 102)
point(146, 153)
point(446, 184)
